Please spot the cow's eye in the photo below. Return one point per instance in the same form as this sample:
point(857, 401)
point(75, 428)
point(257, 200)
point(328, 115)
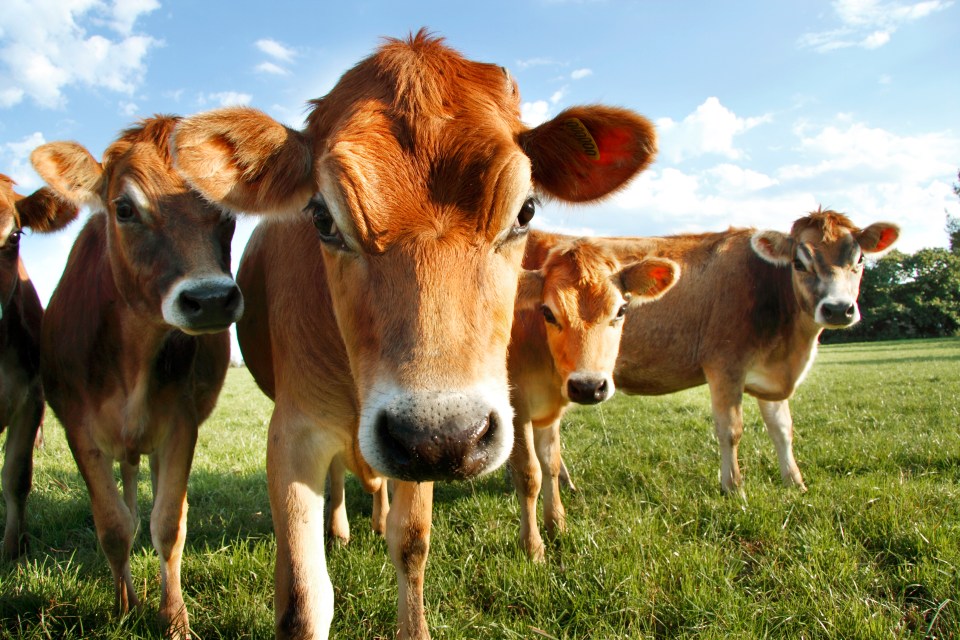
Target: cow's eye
point(622, 311)
point(798, 265)
point(125, 210)
point(525, 215)
point(13, 240)
point(325, 224)
point(860, 260)
point(548, 315)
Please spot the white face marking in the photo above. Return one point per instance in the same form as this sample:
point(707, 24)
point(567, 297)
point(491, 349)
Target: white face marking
point(133, 191)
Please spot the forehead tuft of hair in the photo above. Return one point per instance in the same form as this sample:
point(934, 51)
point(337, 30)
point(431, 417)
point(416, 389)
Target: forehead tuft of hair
point(830, 224)
point(580, 262)
point(419, 82)
point(154, 132)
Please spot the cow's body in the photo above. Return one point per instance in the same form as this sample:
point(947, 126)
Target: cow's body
point(134, 351)
point(380, 309)
point(21, 392)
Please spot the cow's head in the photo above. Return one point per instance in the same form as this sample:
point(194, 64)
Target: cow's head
point(421, 182)
point(41, 211)
point(169, 249)
point(826, 252)
point(584, 294)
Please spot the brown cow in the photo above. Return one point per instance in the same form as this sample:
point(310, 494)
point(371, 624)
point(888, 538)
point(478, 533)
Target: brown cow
point(379, 316)
point(134, 347)
point(746, 316)
point(563, 348)
point(21, 394)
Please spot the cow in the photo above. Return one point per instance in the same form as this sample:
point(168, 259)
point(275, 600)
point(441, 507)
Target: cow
point(380, 304)
point(134, 348)
point(21, 393)
point(571, 307)
point(745, 317)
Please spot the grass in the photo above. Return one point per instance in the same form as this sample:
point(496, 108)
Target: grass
point(872, 550)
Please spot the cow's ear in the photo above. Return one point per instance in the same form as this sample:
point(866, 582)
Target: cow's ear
point(530, 290)
point(244, 160)
point(586, 153)
point(878, 238)
point(43, 211)
point(773, 246)
point(649, 278)
point(71, 172)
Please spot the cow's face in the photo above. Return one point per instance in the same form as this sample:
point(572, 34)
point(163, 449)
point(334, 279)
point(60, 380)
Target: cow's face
point(41, 212)
point(584, 295)
point(169, 250)
point(825, 252)
point(421, 182)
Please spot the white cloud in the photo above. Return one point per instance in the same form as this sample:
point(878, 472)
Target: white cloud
point(226, 98)
point(271, 68)
point(581, 73)
point(711, 128)
point(129, 109)
point(534, 62)
point(534, 113)
point(15, 162)
point(732, 179)
point(869, 24)
point(275, 49)
point(48, 47)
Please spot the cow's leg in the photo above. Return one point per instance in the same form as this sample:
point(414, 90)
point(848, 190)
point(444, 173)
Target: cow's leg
point(547, 443)
point(727, 401)
point(381, 509)
point(299, 452)
point(129, 474)
point(527, 476)
point(111, 517)
point(338, 526)
point(17, 475)
point(408, 538)
point(776, 415)
point(168, 522)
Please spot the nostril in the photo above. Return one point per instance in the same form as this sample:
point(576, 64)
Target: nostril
point(189, 303)
point(488, 431)
point(232, 299)
point(601, 391)
point(849, 312)
point(391, 444)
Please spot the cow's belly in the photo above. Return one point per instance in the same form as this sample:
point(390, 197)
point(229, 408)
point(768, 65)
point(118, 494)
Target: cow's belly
point(651, 381)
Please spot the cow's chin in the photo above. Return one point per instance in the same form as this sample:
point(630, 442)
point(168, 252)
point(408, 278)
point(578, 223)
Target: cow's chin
point(423, 436)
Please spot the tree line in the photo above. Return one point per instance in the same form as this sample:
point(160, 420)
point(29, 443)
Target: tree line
point(910, 295)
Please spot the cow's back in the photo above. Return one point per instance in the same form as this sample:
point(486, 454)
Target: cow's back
point(727, 308)
point(288, 334)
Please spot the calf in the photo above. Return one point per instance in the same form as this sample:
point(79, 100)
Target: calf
point(134, 347)
point(21, 394)
point(571, 309)
point(381, 305)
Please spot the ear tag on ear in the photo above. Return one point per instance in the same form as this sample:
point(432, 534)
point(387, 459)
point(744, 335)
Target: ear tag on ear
point(579, 131)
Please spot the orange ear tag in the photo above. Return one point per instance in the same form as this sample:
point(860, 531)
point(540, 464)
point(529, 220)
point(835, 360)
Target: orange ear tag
point(582, 135)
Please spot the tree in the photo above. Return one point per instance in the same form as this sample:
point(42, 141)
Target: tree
point(953, 223)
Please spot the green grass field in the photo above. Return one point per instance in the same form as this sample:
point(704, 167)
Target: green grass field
point(653, 549)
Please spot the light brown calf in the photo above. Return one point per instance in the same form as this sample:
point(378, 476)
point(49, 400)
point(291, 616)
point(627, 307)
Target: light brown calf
point(21, 393)
point(746, 316)
point(380, 307)
point(571, 309)
point(134, 347)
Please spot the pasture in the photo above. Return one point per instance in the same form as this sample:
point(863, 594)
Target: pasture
point(653, 549)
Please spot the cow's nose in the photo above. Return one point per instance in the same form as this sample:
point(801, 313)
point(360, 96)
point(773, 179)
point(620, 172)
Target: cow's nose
point(454, 448)
point(587, 390)
point(838, 313)
point(209, 306)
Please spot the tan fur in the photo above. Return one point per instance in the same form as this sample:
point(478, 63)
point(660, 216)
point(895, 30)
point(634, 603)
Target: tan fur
point(419, 172)
point(123, 377)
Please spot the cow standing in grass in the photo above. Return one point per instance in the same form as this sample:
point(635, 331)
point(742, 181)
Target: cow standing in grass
point(379, 308)
point(134, 347)
point(21, 393)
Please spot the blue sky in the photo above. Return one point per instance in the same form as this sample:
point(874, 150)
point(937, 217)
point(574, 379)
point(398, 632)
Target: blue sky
point(765, 110)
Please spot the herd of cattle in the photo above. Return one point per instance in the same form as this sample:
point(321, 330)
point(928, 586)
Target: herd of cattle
point(396, 306)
